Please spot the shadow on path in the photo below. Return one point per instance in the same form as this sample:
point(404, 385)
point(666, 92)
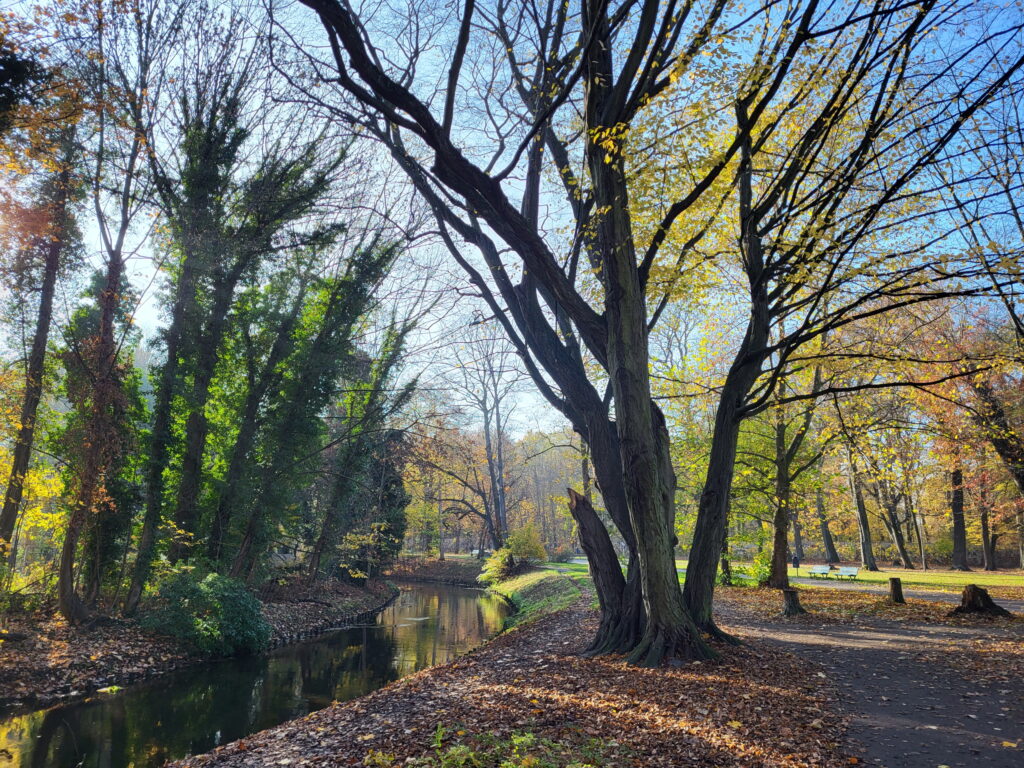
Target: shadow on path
point(911, 702)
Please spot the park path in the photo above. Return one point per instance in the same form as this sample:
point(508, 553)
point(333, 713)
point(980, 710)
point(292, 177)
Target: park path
point(911, 702)
point(1013, 606)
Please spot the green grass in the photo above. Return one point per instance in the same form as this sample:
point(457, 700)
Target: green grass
point(941, 580)
point(931, 579)
point(537, 593)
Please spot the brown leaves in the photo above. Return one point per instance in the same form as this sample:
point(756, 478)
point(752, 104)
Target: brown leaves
point(756, 707)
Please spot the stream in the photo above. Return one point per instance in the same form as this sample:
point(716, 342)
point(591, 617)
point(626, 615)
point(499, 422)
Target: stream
point(195, 709)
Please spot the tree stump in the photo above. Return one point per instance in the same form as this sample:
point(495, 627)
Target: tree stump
point(976, 600)
point(896, 591)
point(791, 602)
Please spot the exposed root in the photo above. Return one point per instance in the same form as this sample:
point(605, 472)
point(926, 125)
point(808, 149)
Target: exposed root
point(661, 645)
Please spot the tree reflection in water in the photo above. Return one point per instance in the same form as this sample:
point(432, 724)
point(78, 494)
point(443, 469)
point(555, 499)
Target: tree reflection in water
point(196, 709)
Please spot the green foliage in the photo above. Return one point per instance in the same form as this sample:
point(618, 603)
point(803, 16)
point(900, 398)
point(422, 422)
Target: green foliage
point(215, 614)
point(498, 567)
point(362, 555)
point(761, 568)
point(525, 545)
point(522, 749)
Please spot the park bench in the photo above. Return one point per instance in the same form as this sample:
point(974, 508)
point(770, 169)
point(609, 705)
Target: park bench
point(819, 570)
point(848, 572)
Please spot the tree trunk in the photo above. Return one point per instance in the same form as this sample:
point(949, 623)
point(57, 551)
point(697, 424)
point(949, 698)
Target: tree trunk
point(55, 240)
point(440, 530)
point(197, 426)
point(896, 531)
point(607, 575)
point(791, 602)
point(161, 435)
point(102, 433)
point(616, 633)
point(896, 591)
point(867, 555)
point(831, 555)
point(987, 548)
point(798, 536)
point(918, 528)
point(713, 507)
point(70, 604)
point(959, 529)
point(976, 600)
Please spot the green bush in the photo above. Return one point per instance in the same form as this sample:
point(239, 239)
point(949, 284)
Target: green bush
point(561, 554)
point(498, 567)
point(761, 569)
point(215, 614)
point(525, 545)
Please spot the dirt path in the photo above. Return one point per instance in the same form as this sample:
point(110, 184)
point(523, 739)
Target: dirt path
point(913, 699)
point(1014, 606)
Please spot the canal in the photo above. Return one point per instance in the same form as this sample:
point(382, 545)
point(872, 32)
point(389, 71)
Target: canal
point(195, 709)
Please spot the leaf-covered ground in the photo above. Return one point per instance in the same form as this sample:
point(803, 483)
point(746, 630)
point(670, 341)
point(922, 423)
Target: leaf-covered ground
point(55, 662)
point(845, 605)
point(756, 707)
point(923, 690)
point(452, 570)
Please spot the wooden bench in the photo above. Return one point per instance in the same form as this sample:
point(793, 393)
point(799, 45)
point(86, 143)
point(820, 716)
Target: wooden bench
point(848, 572)
point(819, 570)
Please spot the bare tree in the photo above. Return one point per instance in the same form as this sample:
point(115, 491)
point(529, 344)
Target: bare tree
point(824, 151)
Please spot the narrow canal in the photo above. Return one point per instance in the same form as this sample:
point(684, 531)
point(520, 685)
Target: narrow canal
point(195, 709)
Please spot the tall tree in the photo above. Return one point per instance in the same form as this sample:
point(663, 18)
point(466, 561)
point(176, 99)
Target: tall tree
point(42, 256)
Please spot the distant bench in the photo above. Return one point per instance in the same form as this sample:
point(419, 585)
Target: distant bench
point(824, 571)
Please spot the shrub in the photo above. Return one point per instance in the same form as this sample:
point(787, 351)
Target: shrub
point(214, 614)
point(561, 554)
point(525, 545)
point(761, 569)
point(498, 567)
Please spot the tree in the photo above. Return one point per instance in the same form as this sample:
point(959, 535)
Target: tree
point(47, 244)
point(542, 299)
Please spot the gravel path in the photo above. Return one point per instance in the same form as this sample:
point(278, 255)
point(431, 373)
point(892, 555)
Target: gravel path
point(910, 702)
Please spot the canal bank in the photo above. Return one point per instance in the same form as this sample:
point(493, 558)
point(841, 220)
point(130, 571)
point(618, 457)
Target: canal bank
point(195, 709)
point(50, 662)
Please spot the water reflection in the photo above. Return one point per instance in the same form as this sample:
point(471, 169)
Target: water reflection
point(196, 709)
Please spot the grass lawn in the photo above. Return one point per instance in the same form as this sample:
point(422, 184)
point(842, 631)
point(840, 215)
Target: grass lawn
point(942, 580)
point(952, 581)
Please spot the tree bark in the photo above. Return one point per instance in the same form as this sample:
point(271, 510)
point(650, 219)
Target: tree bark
point(987, 545)
point(959, 529)
point(610, 584)
point(791, 602)
point(896, 591)
point(831, 555)
point(977, 600)
point(867, 555)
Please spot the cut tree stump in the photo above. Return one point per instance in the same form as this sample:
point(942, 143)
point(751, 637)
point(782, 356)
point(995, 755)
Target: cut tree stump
point(896, 591)
point(976, 600)
point(791, 602)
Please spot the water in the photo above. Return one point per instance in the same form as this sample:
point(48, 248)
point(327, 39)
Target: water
point(195, 709)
